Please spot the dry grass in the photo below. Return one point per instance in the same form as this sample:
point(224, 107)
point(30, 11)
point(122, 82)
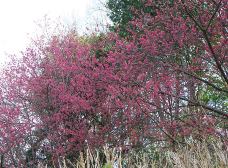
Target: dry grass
point(194, 155)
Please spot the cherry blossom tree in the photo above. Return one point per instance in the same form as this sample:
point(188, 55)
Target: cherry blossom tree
point(158, 85)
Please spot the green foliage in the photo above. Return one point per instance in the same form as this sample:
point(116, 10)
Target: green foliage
point(122, 11)
point(107, 165)
point(210, 96)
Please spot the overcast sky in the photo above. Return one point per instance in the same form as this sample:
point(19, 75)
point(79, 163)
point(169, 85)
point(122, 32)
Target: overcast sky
point(19, 19)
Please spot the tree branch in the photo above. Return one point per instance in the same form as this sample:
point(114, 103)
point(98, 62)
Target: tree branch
point(204, 81)
point(219, 66)
point(197, 104)
point(212, 17)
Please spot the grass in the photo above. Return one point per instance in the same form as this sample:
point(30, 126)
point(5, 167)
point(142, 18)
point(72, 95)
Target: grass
point(193, 155)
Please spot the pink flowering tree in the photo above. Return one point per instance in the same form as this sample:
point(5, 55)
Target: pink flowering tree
point(16, 118)
point(160, 84)
point(185, 47)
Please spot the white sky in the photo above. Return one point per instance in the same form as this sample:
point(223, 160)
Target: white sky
point(19, 19)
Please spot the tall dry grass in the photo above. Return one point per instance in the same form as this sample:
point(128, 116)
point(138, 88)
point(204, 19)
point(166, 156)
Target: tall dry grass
point(193, 155)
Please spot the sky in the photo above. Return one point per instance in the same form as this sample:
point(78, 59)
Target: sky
point(20, 20)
